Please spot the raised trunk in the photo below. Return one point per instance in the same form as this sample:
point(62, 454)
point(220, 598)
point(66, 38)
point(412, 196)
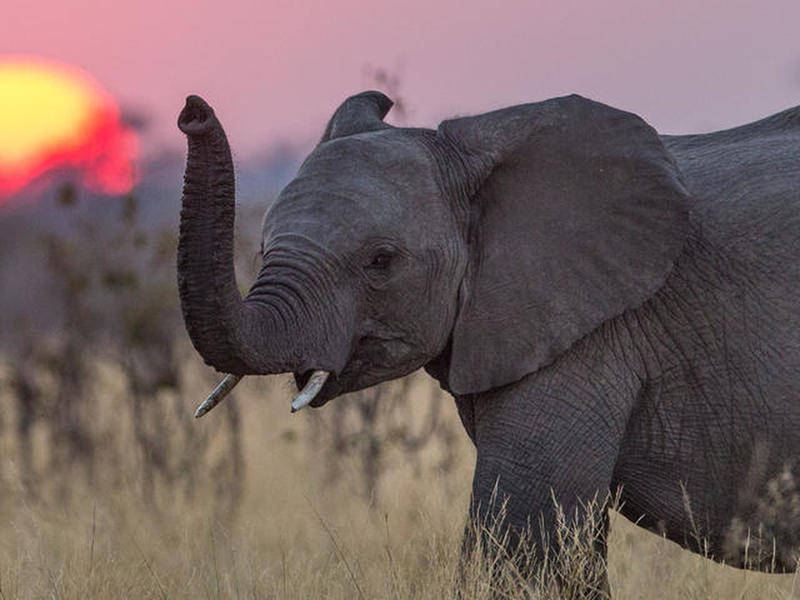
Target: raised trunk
point(230, 334)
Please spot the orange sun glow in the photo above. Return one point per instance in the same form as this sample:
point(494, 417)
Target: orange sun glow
point(55, 115)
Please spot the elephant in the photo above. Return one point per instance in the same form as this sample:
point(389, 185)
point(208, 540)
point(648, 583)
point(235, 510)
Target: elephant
point(610, 308)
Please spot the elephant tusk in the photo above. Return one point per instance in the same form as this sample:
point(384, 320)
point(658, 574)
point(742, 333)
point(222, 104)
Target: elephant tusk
point(218, 394)
point(310, 390)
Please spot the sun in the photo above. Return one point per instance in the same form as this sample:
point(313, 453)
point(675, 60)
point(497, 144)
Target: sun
point(54, 115)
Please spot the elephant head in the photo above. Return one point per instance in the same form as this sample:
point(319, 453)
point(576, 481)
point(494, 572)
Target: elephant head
point(481, 250)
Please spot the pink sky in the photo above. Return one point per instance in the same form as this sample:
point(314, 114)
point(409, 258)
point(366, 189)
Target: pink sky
point(276, 69)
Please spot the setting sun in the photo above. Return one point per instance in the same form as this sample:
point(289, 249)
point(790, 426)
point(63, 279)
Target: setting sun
point(55, 115)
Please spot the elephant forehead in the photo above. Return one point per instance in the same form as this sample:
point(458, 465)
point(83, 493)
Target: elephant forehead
point(388, 166)
point(339, 218)
point(390, 152)
point(345, 192)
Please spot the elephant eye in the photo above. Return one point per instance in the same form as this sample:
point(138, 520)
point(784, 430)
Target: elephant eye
point(380, 261)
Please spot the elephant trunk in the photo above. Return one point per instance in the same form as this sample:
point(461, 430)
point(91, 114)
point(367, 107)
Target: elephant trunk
point(229, 333)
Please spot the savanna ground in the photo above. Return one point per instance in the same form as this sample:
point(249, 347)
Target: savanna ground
point(290, 517)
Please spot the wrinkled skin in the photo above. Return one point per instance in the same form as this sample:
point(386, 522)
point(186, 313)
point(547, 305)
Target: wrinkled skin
point(609, 307)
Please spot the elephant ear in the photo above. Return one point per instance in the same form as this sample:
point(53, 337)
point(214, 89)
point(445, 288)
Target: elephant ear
point(577, 218)
point(358, 114)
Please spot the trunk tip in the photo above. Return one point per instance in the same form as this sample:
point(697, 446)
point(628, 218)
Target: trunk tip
point(197, 117)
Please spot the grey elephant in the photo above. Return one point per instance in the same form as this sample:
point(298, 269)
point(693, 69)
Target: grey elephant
point(610, 308)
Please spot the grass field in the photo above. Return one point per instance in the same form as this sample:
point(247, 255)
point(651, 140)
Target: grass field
point(295, 530)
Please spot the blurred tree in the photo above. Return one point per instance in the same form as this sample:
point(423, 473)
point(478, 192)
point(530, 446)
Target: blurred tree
point(112, 289)
point(398, 418)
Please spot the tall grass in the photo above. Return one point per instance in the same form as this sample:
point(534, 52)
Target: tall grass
point(297, 533)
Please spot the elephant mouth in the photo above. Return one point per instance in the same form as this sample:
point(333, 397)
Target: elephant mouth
point(371, 362)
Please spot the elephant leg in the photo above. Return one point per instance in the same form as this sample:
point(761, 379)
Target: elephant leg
point(543, 471)
point(557, 533)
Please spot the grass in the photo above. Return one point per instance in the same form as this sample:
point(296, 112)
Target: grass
point(297, 533)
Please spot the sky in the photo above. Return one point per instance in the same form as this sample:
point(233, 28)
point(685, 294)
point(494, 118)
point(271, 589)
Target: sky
point(274, 70)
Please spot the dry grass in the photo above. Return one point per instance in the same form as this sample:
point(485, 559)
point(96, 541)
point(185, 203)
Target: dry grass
point(296, 534)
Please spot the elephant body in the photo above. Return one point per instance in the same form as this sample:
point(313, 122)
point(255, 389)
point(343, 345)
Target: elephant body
point(610, 308)
point(690, 403)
